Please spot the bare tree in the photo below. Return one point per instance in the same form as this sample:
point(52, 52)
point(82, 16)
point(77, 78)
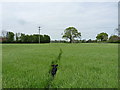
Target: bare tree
point(118, 30)
point(4, 33)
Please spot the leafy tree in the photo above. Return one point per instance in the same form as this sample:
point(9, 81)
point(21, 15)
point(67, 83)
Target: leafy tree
point(89, 41)
point(83, 41)
point(41, 39)
point(10, 37)
point(35, 38)
point(46, 38)
point(18, 37)
point(114, 38)
point(71, 33)
point(22, 37)
point(102, 36)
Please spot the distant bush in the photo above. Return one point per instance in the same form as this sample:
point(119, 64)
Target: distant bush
point(59, 41)
point(22, 38)
point(83, 41)
point(114, 39)
point(91, 41)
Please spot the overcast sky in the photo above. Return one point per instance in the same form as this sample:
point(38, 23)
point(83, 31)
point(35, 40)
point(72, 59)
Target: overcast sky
point(90, 18)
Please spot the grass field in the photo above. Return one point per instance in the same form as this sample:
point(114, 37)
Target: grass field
point(80, 66)
point(0, 66)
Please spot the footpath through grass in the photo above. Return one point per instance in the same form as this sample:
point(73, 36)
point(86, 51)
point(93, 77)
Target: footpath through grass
point(81, 65)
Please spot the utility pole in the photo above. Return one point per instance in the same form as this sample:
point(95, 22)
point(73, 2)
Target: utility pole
point(39, 33)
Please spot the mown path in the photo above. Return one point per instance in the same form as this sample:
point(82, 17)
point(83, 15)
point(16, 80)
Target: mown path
point(53, 70)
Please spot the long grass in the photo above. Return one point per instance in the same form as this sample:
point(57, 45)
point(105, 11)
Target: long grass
point(80, 66)
point(0, 66)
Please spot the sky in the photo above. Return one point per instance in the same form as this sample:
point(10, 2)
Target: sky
point(59, 0)
point(89, 18)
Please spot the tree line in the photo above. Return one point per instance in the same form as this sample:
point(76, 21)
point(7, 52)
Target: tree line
point(10, 37)
point(72, 34)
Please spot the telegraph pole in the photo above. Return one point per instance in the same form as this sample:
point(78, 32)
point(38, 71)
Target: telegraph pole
point(39, 33)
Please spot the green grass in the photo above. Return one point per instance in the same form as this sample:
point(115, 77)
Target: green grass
point(81, 65)
point(0, 66)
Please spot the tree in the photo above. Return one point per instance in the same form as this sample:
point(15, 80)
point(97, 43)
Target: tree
point(10, 37)
point(83, 41)
point(34, 38)
point(46, 38)
point(71, 33)
point(114, 38)
point(118, 30)
point(18, 37)
point(102, 36)
point(89, 41)
point(22, 37)
point(4, 34)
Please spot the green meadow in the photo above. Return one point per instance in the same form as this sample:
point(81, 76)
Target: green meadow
point(83, 65)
